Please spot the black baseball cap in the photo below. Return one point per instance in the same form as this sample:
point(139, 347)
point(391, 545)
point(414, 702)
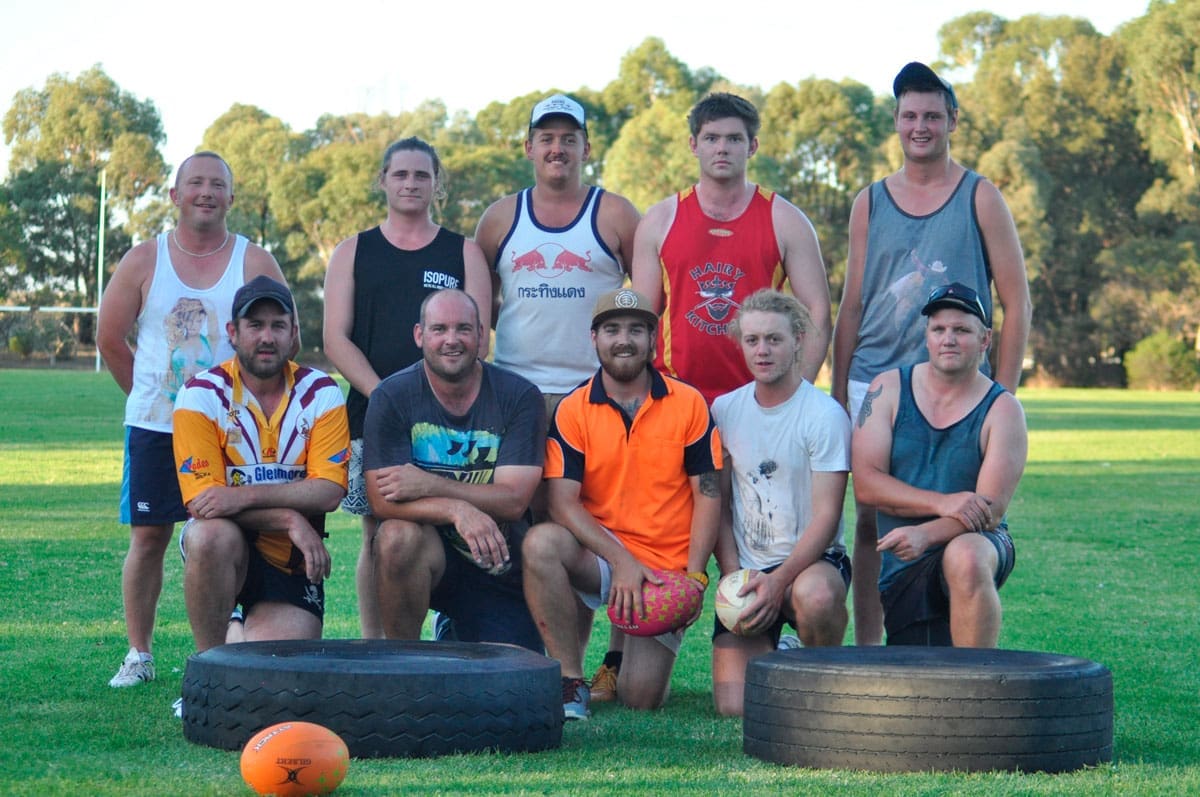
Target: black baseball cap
point(262, 287)
point(915, 76)
point(958, 296)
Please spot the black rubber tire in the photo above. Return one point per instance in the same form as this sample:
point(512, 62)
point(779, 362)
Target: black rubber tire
point(911, 709)
point(384, 698)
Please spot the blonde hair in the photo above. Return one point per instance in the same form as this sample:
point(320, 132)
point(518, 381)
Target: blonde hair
point(768, 300)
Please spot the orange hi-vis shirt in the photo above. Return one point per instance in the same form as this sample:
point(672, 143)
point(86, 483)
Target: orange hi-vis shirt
point(222, 438)
point(709, 267)
point(634, 473)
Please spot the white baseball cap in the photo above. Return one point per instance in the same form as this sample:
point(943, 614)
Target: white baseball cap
point(558, 105)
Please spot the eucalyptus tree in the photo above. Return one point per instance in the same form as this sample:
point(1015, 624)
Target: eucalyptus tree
point(63, 137)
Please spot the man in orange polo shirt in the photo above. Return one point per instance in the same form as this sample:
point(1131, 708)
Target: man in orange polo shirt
point(631, 466)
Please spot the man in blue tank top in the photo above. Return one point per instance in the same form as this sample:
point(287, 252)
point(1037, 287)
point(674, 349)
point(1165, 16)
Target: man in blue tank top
point(938, 449)
point(931, 223)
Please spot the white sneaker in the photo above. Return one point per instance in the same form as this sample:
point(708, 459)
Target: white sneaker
point(133, 670)
point(177, 708)
point(789, 642)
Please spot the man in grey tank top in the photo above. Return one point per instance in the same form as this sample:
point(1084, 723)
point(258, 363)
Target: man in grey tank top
point(931, 223)
point(939, 448)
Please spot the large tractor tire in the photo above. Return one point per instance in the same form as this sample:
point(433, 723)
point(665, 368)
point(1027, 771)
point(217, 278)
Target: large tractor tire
point(906, 709)
point(384, 698)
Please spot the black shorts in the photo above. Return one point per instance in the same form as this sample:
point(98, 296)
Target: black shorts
point(265, 582)
point(486, 608)
point(916, 607)
point(838, 559)
point(150, 489)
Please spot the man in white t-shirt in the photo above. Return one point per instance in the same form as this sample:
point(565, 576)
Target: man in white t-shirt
point(788, 449)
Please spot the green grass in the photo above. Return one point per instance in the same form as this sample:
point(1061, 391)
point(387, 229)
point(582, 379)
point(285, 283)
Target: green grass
point(1106, 569)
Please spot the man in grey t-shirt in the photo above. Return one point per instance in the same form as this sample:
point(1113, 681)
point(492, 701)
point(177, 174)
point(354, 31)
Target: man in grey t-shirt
point(452, 451)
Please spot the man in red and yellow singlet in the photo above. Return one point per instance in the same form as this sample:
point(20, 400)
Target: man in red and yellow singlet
point(699, 253)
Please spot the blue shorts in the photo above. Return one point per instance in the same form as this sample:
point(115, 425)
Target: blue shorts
point(149, 486)
point(840, 562)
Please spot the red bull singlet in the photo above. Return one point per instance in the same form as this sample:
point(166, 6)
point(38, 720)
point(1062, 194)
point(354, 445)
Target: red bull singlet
point(709, 267)
point(550, 278)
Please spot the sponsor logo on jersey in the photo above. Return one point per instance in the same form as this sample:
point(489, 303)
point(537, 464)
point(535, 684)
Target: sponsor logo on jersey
point(550, 260)
point(269, 473)
point(194, 465)
point(436, 280)
point(715, 285)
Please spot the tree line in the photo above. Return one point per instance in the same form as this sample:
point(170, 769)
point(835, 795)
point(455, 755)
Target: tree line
point(1094, 141)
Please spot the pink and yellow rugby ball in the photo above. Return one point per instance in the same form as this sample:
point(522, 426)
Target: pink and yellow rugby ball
point(669, 606)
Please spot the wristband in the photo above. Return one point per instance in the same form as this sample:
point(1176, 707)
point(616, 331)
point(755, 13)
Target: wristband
point(700, 576)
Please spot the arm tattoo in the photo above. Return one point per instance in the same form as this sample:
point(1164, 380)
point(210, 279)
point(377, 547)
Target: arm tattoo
point(864, 411)
point(710, 485)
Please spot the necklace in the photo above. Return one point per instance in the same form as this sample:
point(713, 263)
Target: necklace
point(175, 238)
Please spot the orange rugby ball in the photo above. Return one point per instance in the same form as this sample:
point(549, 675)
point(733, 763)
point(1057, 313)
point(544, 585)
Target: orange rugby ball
point(295, 759)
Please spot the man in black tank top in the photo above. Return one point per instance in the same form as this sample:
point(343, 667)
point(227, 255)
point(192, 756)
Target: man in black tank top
point(374, 286)
point(939, 448)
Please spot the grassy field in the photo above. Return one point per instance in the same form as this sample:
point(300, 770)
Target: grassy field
point(1107, 563)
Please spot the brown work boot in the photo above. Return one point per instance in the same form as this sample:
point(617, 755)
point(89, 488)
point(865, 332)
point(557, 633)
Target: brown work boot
point(604, 684)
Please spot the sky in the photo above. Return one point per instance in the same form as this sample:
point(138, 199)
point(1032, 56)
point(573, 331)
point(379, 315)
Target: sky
point(196, 60)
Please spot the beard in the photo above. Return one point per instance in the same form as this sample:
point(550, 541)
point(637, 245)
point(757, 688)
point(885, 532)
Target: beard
point(624, 369)
point(261, 369)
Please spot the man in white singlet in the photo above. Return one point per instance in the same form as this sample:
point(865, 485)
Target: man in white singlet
point(554, 249)
point(177, 291)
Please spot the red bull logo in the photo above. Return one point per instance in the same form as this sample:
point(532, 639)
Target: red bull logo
point(568, 260)
point(530, 261)
point(551, 260)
